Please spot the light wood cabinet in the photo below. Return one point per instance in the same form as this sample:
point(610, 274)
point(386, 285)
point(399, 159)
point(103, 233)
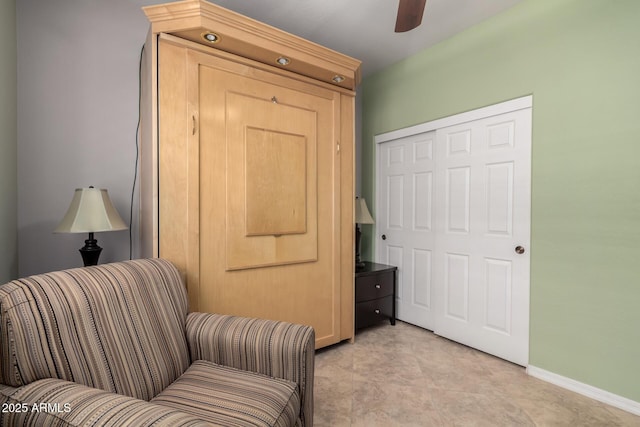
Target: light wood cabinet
point(248, 167)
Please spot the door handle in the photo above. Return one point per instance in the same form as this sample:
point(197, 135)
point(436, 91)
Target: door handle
point(519, 250)
point(384, 237)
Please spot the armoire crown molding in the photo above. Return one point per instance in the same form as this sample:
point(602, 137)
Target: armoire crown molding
point(246, 37)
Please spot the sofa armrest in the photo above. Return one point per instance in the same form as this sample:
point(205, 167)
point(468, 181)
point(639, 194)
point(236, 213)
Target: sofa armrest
point(274, 348)
point(57, 402)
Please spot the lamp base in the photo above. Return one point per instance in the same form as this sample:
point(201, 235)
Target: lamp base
point(359, 262)
point(90, 251)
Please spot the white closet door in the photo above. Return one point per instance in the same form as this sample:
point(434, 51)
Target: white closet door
point(481, 260)
point(454, 216)
point(405, 222)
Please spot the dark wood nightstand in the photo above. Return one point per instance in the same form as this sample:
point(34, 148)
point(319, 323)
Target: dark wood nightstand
point(375, 294)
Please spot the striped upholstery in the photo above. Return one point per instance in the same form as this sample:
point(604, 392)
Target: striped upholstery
point(250, 344)
point(118, 327)
point(228, 396)
point(110, 338)
point(86, 407)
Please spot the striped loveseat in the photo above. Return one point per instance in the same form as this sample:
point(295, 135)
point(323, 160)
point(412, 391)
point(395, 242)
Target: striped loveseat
point(114, 345)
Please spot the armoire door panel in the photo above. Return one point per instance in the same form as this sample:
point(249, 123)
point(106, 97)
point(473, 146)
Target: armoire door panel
point(269, 210)
point(275, 197)
point(271, 178)
point(175, 163)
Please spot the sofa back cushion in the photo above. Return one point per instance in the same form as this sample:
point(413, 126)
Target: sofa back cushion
point(118, 327)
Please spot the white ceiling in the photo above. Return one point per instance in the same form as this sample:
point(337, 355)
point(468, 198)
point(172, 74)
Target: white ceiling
point(363, 29)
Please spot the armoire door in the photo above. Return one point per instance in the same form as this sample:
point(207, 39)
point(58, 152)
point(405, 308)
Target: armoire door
point(262, 190)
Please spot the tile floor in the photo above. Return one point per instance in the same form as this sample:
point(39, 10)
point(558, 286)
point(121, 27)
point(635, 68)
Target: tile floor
point(406, 376)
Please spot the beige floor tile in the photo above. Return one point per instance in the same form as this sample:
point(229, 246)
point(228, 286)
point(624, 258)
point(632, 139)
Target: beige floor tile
point(406, 376)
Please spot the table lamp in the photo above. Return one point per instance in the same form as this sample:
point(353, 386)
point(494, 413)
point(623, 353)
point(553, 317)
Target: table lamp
point(91, 211)
point(362, 217)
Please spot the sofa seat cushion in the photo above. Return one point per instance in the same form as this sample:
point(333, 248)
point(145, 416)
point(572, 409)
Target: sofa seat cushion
point(230, 397)
point(55, 402)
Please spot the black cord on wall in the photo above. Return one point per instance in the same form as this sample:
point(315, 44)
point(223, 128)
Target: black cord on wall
point(135, 170)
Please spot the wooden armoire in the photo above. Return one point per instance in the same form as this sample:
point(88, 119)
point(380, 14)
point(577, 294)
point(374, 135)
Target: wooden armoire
point(247, 160)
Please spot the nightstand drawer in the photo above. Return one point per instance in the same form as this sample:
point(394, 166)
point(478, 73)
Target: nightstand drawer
point(371, 312)
point(374, 286)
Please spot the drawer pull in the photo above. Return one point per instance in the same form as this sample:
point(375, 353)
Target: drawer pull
point(376, 311)
point(377, 286)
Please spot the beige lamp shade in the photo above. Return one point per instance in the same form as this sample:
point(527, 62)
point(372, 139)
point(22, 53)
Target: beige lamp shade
point(362, 212)
point(90, 211)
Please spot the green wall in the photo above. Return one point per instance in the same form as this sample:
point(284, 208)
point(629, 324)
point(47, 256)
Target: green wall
point(581, 61)
point(8, 143)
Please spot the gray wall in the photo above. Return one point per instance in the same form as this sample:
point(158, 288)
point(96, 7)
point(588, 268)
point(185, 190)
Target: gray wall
point(8, 138)
point(77, 116)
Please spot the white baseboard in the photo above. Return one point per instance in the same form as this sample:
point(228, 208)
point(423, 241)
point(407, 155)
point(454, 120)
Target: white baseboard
point(586, 390)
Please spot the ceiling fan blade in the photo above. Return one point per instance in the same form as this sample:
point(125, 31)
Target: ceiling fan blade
point(409, 14)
